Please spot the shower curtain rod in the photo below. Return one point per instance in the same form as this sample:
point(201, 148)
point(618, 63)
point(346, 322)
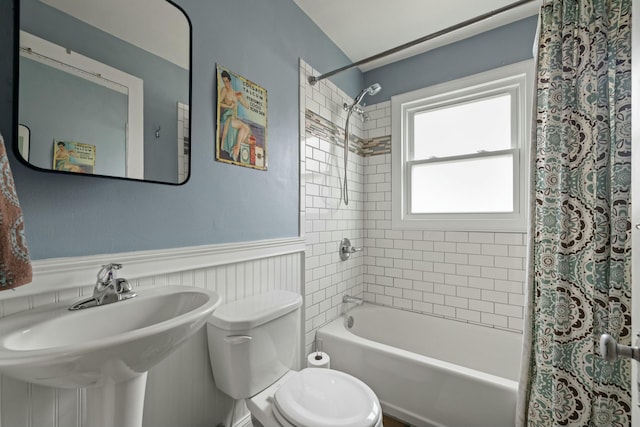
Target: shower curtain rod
point(314, 79)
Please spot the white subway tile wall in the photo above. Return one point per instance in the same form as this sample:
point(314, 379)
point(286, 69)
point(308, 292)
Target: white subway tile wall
point(184, 142)
point(467, 276)
point(326, 219)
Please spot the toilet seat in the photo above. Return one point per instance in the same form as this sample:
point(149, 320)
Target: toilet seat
point(282, 421)
point(325, 398)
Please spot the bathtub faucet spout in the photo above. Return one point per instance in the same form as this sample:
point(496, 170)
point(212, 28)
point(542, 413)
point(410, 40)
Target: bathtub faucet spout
point(353, 300)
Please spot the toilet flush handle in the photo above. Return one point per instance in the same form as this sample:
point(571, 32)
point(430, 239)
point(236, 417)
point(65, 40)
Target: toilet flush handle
point(237, 339)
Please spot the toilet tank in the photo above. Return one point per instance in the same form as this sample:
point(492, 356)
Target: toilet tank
point(254, 341)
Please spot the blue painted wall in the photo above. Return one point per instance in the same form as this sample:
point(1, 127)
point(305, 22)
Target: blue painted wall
point(259, 39)
point(49, 97)
point(502, 46)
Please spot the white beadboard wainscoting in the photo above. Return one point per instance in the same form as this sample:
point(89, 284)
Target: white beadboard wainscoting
point(180, 390)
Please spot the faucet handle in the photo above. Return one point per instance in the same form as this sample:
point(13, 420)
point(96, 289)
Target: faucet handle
point(122, 286)
point(108, 272)
point(346, 249)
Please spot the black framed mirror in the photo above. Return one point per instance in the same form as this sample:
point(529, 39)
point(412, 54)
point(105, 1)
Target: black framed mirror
point(104, 88)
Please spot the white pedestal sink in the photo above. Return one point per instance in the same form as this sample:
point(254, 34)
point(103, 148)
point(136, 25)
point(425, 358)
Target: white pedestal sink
point(106, 349)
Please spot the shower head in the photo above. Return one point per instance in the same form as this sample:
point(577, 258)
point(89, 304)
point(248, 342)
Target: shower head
point(374, 88)
point(371, 90)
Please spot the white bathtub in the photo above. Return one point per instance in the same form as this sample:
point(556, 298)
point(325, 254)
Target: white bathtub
point(426, 370)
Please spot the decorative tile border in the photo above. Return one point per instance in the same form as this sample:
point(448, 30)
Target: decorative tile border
point(376, 146)
point(326, 130)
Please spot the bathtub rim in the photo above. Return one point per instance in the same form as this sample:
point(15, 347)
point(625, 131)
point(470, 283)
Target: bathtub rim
point(338, 328)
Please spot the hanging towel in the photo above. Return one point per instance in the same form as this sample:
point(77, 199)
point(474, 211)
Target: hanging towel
point(15, 265)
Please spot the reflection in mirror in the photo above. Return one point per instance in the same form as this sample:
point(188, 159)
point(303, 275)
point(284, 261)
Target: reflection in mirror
point(104, 88)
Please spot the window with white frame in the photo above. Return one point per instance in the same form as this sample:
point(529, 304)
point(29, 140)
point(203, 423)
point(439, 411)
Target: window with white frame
point(460, 153)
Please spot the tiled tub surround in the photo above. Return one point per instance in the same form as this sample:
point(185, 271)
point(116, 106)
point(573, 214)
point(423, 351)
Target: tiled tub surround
point(474, 277)
point(324, 217)
point(180, 389)
point(467, 276)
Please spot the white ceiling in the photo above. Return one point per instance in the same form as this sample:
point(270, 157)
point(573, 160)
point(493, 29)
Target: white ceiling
point(363, 28)
point(153, 25)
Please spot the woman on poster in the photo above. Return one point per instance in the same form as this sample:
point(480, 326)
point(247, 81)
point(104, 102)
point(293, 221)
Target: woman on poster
point(234, 130)
point(63, 159)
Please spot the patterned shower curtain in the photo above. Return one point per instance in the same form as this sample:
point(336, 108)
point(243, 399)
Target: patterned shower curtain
point(580, 247)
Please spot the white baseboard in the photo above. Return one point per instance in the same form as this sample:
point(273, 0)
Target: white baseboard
point(244, 421)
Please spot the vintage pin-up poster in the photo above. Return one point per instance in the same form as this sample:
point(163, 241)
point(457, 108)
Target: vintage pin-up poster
point(70, 156)
point(241, 136)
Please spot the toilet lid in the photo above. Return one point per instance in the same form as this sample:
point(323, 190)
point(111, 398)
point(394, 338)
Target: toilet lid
point(324, 397)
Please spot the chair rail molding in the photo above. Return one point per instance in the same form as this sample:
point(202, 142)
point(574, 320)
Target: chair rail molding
point(57, 274)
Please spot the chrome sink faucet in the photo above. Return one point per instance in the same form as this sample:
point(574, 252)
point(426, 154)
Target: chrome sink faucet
point(109, 288)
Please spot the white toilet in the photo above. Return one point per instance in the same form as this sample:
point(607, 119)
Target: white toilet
point(253, 345)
